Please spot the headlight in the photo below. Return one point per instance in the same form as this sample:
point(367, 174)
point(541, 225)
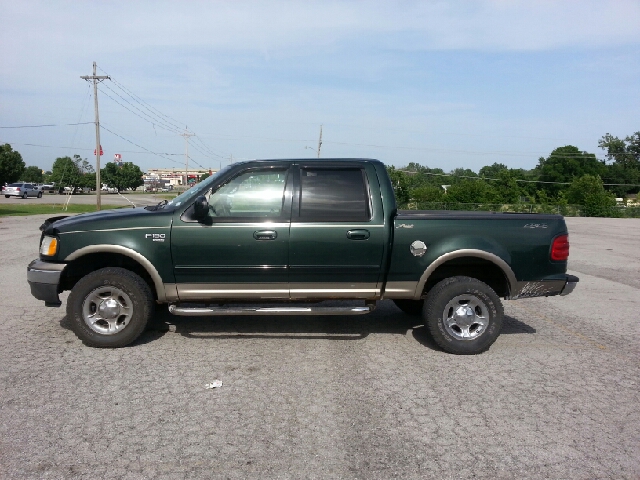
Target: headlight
point(49, 246)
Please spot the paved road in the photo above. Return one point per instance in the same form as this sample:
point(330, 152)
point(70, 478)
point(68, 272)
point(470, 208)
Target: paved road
point(557, 395)
point(90, 199)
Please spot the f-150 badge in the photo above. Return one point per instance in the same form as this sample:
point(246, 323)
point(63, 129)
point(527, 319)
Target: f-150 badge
point(156, 237)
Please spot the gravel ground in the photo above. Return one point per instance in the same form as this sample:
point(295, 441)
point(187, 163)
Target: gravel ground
point(330, 397)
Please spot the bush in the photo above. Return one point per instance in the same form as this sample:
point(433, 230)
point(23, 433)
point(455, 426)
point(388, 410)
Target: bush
point(589, 192)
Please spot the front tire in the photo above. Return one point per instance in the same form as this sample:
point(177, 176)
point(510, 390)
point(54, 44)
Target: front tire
point(109, 307)
point(464, 315)
point(24, 195)
point(39, 194)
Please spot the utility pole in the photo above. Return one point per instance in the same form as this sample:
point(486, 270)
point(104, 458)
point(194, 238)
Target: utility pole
point(186, 136)
point(95, 79)
point(320, 141)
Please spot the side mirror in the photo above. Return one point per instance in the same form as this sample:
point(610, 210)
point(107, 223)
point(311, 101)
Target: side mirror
point(201, 208)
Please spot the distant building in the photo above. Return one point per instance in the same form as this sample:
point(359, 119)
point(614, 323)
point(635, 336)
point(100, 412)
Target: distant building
point(157, 178)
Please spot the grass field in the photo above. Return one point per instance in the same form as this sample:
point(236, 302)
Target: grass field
point(44, 208)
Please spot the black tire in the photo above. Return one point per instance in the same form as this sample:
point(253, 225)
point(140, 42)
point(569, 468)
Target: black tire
point(471, 329)
point(24, 195)
point(116, 303)
point(7, 196)
point(39, 194)
point(410, 307)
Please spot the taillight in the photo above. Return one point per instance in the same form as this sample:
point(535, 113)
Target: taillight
point(18, 189)
point(560, 248)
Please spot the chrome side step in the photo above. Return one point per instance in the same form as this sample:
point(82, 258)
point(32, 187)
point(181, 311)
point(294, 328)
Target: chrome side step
point(207, 311)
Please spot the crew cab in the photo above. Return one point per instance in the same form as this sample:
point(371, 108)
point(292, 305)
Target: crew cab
point(278, 237)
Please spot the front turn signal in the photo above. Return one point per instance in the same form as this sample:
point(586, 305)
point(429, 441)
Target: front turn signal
point(49, 246)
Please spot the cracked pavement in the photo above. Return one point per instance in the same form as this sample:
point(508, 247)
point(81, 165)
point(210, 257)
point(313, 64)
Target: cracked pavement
point(557, 396)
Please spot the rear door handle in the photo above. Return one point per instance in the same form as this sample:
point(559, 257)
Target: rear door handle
point(265, 235)
point(358, 234)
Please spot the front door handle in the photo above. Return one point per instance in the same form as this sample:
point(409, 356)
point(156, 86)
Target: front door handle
point(358, 234)
point(265, 235)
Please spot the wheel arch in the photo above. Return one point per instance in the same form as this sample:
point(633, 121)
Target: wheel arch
point(479, 264)
point(93, 257)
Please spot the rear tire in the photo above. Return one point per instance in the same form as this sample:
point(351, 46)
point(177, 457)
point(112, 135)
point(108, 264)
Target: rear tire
point(109, 307)
point(39, 194)
point(410, 307)
point(7, 196)
point(25, 195)
point(464, 315)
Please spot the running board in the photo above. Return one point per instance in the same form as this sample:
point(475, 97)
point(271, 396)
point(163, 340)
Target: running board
point(207, 311)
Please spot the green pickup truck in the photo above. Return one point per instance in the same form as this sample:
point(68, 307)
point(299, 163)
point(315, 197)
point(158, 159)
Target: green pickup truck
point(279, 237)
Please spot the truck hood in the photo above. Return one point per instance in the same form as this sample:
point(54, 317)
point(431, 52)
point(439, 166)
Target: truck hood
point(105, 219)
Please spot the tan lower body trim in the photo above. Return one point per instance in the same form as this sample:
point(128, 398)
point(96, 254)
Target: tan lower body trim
point(400, 289)
point(212, 291)
point(185, 292)
point(334, 290)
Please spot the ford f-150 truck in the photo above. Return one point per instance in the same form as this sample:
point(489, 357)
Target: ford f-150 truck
point(278, 237)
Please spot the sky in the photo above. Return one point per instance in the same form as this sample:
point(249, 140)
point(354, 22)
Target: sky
point(446, 84)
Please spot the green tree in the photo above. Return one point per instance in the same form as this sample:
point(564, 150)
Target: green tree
point(88, 180)
point(565, 164)
point(624, 169)
point(623, 152)
point(33, 175)
point(589, 192)
point(427, 193)
point(126, 176)
point(467, 191)
point(11, 164)
point(505, 189)
point(204, 176)
point(65, 173)
point(400, 185)
point(492, 171)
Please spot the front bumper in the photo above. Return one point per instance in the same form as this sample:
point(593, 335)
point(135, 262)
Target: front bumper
point(44, 278)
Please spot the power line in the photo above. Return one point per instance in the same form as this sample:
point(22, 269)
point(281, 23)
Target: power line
point(139, 146)
point(148, 106)
point(517, 180)
point(52, 125)
point(89, 149)
point(160, 125)
point(156, 117)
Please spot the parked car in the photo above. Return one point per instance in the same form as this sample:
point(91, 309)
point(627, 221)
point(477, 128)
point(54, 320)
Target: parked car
point(20, 189)
point(297, 232)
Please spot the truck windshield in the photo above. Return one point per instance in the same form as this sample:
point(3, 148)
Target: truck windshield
point(198, 187)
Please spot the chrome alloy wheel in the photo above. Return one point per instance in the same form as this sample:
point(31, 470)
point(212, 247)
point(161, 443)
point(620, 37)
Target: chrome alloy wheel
point(465, 317)
point(107, 310)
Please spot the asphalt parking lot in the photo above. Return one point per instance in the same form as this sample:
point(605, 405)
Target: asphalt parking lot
point(125, 198)
point(557, 396)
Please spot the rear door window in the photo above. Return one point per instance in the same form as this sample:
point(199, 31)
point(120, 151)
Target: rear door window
point(333, 195)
